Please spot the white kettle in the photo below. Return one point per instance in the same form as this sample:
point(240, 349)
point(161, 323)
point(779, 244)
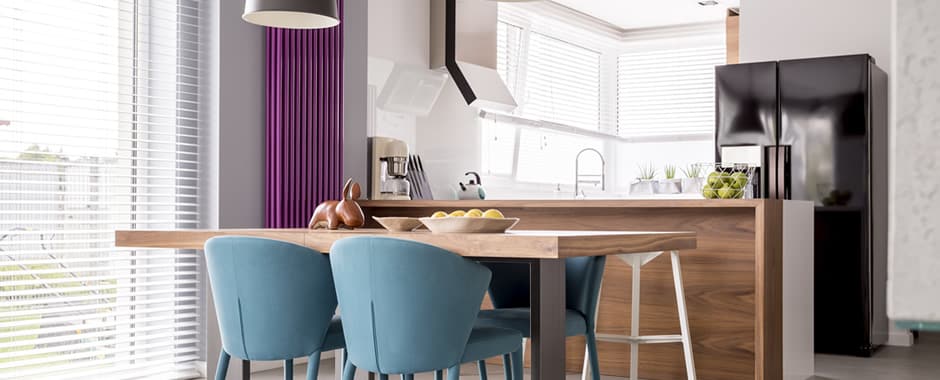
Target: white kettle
point(473, 190)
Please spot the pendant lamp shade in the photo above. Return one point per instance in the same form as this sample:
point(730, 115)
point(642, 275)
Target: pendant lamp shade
point(292, 14)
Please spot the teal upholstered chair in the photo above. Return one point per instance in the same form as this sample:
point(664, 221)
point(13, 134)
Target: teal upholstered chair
point(509, 293)
point(275, 301)
point(409, 307)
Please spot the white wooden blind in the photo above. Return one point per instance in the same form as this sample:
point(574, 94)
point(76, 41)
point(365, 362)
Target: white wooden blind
point(562, 82)
point(508, 49)
point(667, 92)
point(99, 130)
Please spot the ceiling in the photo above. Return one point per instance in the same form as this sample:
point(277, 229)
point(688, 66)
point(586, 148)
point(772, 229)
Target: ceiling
point(636, 14)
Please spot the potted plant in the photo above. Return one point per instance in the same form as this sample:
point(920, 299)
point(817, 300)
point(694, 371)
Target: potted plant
point(694, 180)
point(670, 185)
point(644, 181)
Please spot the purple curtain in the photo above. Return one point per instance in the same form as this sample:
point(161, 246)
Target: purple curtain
point(304, 123)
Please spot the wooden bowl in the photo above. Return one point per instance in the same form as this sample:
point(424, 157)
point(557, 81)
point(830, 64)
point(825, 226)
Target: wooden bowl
point(469, 225)
point(398, 224)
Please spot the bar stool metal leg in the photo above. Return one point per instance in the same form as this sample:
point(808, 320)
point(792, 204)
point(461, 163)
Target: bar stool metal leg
point(635, 319)
point(683, 316)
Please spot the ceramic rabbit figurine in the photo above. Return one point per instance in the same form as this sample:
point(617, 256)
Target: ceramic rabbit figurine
point(345, 213)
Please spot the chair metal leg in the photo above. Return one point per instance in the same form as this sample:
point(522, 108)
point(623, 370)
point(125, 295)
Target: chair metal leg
point(453, 373)
point(289, 369)
point(313, 365)
point(383, 376)
point(507, 366)
point(349, 371)
point(517, 364)
point(481, 367)
point(635, 320)
point(683, 316)
point(246, 369)
point(439, 375)
point(222, 369)
point(407, 376)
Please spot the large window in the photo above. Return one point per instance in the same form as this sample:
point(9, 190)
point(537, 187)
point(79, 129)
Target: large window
point(98, 131)
point(581, 85)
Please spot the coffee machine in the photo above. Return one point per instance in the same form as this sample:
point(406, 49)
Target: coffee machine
point(388, 165)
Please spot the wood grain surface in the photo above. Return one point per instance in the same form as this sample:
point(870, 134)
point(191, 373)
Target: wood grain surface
point(542, 244)
point(731, 283)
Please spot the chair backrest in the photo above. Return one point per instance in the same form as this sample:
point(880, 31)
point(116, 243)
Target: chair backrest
point(407, 307)
point(274, 299)
point(510, 285)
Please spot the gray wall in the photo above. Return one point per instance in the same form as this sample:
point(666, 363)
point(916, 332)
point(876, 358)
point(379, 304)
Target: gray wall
point(355, 82)
point(241, 119)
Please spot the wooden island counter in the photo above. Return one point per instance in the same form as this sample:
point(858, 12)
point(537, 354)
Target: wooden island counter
point(748, 284)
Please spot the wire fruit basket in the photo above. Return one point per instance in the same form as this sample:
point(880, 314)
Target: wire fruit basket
point(729, 182)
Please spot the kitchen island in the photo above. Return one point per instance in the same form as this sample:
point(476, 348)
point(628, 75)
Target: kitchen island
point(748, 283)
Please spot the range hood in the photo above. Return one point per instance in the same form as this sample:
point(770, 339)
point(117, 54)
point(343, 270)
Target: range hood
point(463, 42)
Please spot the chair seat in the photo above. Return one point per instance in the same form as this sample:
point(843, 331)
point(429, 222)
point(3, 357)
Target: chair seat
point(517, 318)
point(486, 342)
point(334, 339)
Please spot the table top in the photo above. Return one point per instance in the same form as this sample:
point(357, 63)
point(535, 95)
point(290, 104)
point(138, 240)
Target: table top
point(511, 245)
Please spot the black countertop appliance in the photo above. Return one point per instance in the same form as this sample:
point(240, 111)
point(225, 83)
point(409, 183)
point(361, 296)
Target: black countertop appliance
point(820, 125)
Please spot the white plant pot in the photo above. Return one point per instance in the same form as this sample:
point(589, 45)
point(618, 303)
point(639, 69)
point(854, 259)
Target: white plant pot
point(667, 186)
point(693, 185)
point(642, 187)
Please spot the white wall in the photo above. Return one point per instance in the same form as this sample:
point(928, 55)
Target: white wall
point(448, 139)
point(914, 265)
point(775, 29)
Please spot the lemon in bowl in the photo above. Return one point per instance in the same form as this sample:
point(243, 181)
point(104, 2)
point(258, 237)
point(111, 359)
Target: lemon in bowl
point(493, 214)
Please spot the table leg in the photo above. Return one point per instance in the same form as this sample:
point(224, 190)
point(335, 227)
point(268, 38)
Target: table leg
point(547, 299)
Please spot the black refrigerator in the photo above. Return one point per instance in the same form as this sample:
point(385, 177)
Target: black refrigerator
point(820, 125)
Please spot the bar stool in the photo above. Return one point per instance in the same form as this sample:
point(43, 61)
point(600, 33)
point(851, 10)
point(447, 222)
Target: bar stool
point(636, 262)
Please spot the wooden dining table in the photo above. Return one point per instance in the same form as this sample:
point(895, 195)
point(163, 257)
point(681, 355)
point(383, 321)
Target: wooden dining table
point(544, 251)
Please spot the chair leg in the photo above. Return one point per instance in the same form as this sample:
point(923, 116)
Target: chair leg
point(349, 371)
point(383, 376)
point(683, 316)
point(591, 362)
point(517, 359)
point(507, 366)
point(481, 366)
point(453, 373)
point(222, 369)
point(313, 365)
point(407, 376)
point(635, 319)
point(289, 369)
point(439, 375)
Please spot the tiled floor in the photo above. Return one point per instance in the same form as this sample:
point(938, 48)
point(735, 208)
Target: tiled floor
point(921, 362)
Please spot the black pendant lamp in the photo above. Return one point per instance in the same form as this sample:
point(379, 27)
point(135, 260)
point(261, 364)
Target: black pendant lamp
point(292, 14)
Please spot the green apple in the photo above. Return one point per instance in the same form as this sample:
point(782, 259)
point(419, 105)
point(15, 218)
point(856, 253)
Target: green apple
point(726, 192)
point(714, 180)
point(738, 180)
point(708, 192)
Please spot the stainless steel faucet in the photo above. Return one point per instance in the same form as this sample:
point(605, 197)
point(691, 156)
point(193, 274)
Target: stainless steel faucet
point(578, 193)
